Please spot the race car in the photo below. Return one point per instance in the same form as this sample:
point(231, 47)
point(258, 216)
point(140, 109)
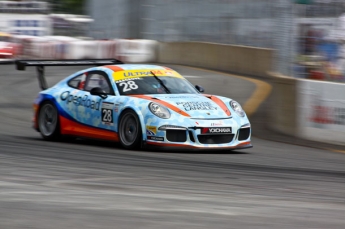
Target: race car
point(7, 49)
point(137, 105)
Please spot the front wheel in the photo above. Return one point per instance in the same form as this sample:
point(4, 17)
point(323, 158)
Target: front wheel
point(48, 121)
point(130, 130)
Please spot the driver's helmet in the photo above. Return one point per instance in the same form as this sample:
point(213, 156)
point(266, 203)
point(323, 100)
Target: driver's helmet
point(159, 88)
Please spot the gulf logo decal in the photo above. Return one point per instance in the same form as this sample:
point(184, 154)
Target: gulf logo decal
point(151, 130)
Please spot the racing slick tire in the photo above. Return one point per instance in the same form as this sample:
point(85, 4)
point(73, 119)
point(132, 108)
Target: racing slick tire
point(130, 132)
point(48, 121)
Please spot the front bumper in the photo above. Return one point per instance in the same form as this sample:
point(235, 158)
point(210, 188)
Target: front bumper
point(207, 134)
point(189, 147)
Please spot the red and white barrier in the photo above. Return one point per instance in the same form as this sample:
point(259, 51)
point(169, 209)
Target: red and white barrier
point(136, 51)
point(106, 49)
point(57, 47)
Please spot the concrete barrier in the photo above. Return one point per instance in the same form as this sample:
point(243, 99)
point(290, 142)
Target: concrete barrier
point(308, 109)
point(283, 105)
point(321, 111)
point(231, 58)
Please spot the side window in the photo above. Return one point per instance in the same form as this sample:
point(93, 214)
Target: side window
point(77, 82)
point(97, 80)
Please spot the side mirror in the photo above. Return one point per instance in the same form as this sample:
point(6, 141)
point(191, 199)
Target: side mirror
point(99, 91)
point(199, 88)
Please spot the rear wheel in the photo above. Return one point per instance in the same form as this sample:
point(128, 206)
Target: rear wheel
point(48, 121)
point(130, 130)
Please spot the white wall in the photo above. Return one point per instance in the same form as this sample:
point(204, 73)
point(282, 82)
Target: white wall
point(321, 111)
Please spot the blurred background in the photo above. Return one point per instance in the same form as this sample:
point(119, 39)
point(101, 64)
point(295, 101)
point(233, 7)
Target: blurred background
point(307, 35)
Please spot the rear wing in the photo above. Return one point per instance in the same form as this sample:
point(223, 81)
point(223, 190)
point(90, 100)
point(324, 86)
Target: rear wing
point(40, 64)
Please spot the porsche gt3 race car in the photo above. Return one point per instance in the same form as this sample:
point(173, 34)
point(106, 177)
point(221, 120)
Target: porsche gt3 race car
point(137, 105)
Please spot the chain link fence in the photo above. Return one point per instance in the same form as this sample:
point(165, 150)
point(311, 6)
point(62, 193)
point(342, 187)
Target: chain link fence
point(288, 26)
point(242, 22)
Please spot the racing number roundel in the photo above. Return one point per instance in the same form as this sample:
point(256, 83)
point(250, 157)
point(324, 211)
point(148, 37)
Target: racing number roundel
point(107, 113)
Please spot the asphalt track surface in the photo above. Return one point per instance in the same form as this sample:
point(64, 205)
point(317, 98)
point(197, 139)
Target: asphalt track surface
point(89, 184)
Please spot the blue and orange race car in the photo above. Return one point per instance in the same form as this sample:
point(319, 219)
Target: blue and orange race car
point(137, 105)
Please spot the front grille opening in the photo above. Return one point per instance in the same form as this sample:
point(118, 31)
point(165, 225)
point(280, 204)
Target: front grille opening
point(215, 139)
point(243, 134)
point(176, 135)
point(191, 136)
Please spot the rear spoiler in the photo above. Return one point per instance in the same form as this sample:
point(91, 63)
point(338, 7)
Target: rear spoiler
point(40, 64)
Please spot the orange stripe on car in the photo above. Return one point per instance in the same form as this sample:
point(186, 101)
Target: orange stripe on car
point(243, 143)
point(35, 118)
point(69, 127)
point(170, 106)
point(114, 68)
point(219, 103)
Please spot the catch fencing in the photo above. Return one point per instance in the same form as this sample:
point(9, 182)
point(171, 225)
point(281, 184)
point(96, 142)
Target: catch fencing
point(291, 27)
point(256, 23)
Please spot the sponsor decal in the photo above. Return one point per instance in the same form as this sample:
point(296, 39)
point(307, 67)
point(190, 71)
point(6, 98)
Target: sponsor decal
point(155, 138)
point(151, 130)
point(181, 97)
point(124, 80)
point(84, 101)
point(189, 106)
point(116, 108)
point(147, 73)
point(107, 113)
point(219, 123)
point(216, 130)
point(328, 115)
point(121, 75)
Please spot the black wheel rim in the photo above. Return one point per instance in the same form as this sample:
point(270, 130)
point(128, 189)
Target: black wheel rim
point(128, 129)
point(48, 120)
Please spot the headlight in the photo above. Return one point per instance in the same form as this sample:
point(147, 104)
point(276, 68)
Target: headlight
point(237, 108)
point(159, 110)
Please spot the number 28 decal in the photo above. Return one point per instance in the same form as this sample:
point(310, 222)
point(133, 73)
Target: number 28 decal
point(107, 113)
point(128, 85)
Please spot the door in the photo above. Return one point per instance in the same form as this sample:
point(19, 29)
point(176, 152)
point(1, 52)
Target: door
point(93, 116)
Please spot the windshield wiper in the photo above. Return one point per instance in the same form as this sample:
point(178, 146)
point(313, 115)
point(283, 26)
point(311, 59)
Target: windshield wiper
point(161, 83)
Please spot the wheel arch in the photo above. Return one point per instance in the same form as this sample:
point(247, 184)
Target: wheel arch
point(57, 132)
point(140, 116)
point(39, 104)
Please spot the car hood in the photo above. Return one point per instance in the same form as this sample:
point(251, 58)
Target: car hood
point(194, 105)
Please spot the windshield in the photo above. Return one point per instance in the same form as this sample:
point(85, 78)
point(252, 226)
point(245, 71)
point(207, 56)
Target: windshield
point(151, 85)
